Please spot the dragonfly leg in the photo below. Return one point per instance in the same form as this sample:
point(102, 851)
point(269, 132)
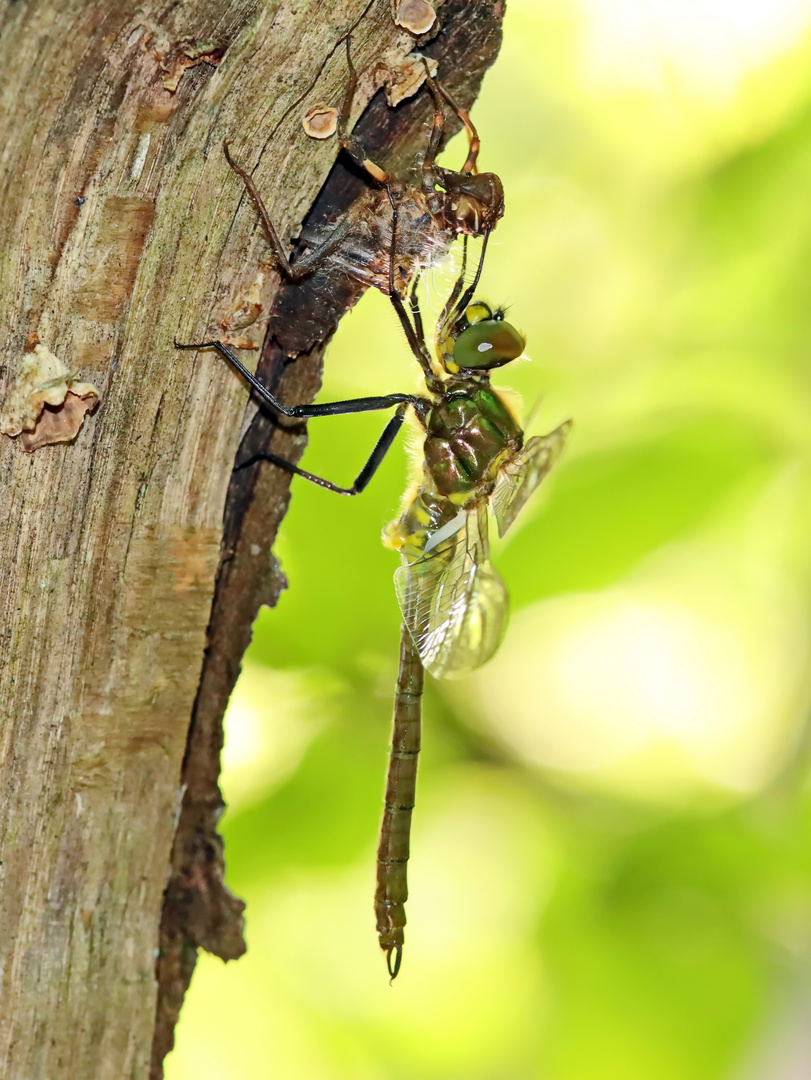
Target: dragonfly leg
point(474, 143)
point(305, 412)
point(352, 146)
point(415, 340)
point(364, 476)
point(450, 313)
point(458, 285)
point(307, 262)
point(416, 314)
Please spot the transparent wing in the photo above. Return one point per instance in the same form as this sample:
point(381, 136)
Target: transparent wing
point(521, 476)
point(454, 602)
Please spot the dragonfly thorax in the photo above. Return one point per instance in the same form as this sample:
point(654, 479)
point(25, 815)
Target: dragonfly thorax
point(468, 434)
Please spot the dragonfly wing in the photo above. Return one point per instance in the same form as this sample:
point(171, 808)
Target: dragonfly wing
point(521, 476)
point(454, 601)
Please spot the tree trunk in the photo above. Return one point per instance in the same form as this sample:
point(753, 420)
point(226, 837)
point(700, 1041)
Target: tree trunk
point(131, 562)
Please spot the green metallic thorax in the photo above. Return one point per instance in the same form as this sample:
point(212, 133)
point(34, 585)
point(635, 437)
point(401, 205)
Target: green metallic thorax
point(468, 434)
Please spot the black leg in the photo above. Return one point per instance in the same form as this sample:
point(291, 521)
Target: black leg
point(329, 408)
point(364, 476)
point(451, 314)
point(416, 343)
point(458, 285)
point(416, 314)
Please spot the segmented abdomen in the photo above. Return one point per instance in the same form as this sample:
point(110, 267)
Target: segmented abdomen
point(392, 853)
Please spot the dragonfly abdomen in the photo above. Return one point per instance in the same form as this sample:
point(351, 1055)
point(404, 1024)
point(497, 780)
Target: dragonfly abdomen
point(401, 784)
point(424, 514)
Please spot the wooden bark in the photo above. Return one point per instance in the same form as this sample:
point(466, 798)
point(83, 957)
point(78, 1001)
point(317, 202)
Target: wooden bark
point(131, 566)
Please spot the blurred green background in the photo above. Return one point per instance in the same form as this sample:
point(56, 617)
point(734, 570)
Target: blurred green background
point(611, 859)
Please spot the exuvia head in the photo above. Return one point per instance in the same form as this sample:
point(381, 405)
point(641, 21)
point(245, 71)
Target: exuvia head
point(478, 340)
point(474, 202)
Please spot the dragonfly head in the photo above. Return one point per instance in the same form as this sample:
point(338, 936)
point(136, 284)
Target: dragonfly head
point(474, 202)
point(478, 340)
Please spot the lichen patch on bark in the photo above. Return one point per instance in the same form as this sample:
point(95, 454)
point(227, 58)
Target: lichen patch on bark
point(416, 16)
point(405, 79)
point(188, 54)
point(47, 403)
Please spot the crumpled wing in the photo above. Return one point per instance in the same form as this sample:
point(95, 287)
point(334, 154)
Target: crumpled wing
point(521, 476)
point(454, 601)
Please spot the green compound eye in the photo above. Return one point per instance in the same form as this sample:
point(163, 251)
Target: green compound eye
point(487, 344)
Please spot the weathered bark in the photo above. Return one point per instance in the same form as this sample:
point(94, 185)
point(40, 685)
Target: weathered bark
point(123, 229)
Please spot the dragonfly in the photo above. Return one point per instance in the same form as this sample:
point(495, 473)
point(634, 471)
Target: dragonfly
point(454, 603)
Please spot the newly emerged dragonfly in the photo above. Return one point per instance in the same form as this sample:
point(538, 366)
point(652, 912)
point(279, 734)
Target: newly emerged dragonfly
point(454, 603)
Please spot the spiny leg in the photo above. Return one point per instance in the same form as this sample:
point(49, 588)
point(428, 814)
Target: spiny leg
point(358, 154)
point(439, 91)
point(417, 343)
point(380, 450)
point(310, 260)
point(431, 175)
point(430, 178)
point(352, 146)
point(328, 408)
point(458, 285)
point(307, 262)
point(453, 313)
point(414, 304)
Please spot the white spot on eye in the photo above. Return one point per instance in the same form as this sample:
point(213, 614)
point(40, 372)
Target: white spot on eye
point(484, 347)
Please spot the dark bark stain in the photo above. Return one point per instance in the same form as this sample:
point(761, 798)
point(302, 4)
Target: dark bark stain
point(188, 54)
point(116, 256)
